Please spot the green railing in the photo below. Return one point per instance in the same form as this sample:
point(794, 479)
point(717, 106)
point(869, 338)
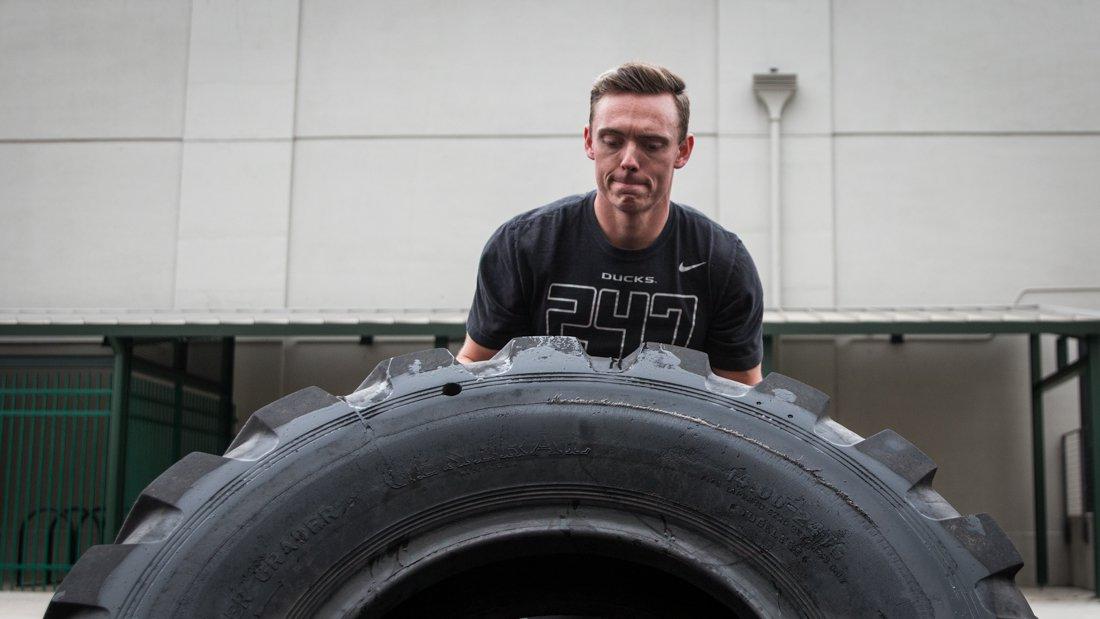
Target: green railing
point(53, 440)
point(54, 435)
point(161, 432)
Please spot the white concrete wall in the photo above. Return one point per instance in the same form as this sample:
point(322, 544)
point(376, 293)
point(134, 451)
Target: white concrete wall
point(262, 142)
point(341, 153)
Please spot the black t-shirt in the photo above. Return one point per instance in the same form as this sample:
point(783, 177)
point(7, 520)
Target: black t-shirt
point(551, 271)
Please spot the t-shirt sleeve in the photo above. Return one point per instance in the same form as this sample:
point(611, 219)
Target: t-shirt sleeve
point(498, 312)
point(735, 338)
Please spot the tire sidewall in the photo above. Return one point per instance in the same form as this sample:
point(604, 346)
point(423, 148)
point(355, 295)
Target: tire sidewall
point(340, 499)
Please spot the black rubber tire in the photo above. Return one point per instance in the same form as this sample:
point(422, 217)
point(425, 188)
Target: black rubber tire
point(546, 482)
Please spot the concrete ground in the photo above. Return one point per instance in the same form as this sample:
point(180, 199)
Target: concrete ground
point(1048, 603)
point(1062, 602)
point(23, 604)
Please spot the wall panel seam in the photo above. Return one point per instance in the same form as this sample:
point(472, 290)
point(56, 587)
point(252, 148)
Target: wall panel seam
point(838, 392)
point(717, 108)
point(182, 150)
point(965, 134)
point(293, 161)
point(543, 136)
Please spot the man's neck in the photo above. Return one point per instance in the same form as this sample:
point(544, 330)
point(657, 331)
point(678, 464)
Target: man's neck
point(630, 230)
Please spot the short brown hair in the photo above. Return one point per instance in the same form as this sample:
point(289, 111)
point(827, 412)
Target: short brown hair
point(644, 79)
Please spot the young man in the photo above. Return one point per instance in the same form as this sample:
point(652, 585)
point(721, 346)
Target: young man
point(623, 265)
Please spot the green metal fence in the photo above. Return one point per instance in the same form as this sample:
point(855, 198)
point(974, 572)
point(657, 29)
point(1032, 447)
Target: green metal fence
point(53, 439)
point(166, 424)
point(54, 434)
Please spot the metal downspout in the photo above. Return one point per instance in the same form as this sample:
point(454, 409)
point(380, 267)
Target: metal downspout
point(774, 89)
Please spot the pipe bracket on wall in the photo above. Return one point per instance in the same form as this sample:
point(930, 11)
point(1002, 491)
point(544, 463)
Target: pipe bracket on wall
point(774, 89)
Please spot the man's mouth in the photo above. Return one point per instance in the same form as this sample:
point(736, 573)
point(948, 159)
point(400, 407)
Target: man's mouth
point(630, 183)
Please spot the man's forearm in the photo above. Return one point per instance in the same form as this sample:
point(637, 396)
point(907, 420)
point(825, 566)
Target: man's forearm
point(472, 351)
point(749, 377)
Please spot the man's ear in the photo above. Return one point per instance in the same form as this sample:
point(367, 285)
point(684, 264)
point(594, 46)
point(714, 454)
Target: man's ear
point(684, 151)
point(588, 143)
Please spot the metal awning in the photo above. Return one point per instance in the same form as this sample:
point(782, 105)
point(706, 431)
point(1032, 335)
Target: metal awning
point(1020, 319)
point(938, 320)
point(222, 323)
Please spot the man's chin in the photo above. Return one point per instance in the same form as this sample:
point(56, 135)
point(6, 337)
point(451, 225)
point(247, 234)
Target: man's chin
point(630, 204)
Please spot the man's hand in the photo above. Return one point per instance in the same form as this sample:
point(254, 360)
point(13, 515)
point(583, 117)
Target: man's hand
point(472, 351)
point(747, 377)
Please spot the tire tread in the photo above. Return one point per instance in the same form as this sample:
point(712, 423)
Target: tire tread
point(80, 594)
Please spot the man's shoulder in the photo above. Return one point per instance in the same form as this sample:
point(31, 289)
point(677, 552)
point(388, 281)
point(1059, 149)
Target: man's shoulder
point(554, 214)
point(700, 227)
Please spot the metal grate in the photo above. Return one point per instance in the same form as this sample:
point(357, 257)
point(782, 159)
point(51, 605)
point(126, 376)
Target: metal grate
point(53, 448)
point(777, 81)
point(159, 434)
point(54, 422)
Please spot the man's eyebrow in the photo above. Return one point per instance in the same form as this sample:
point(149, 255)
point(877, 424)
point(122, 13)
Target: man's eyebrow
point(644, 136)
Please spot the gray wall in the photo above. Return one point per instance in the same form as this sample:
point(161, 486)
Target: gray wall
point(340, 154)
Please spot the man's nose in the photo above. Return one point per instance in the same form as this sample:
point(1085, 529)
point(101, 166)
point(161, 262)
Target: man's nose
point(630, 158)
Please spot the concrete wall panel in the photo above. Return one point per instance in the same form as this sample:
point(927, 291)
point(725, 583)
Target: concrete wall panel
point(966, 66)
point(988, 410)
point(345, 364)
point(806, 216)
point(233, 189)
point(695, 184)
point(964, 220)
point(488, 68)
point(233, 225)
point(242, 67)
point(974, 425)
point(258, 371)
point(423, 209)
point(811, 360)
point(792, 36)
point(246, 272)
point(401, 222)
point(743, 185)
point(92, 69)
point(266, 370)
point(88, 224)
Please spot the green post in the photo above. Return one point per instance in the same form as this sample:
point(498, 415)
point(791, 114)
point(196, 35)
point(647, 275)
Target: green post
point(1038, 463)
point(769, 355)
point(116, 440)
point(179, 364)
point(1090, 406)
point(226, 402)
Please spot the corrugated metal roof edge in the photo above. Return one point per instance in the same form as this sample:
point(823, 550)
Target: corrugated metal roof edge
point(310, 321)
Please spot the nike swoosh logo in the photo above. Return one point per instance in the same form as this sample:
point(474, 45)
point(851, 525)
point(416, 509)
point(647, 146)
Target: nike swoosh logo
point(684, 269)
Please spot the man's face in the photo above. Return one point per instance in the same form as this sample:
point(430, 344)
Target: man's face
point(634, 140)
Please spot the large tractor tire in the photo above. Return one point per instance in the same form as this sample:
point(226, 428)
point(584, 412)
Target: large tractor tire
point(547, 482)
